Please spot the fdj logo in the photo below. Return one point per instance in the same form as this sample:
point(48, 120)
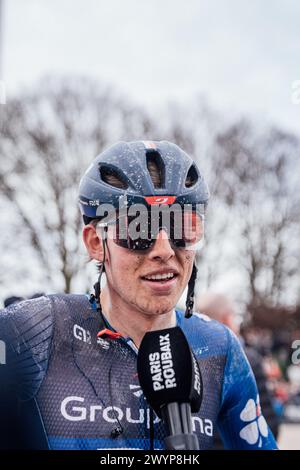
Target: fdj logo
point(2, 352)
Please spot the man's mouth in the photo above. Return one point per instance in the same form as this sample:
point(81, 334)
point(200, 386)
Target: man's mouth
point(165, 277)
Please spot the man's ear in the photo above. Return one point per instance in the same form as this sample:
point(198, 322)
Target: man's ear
point(92, 242)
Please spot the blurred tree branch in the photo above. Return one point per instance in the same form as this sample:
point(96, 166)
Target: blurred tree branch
point(48, 138)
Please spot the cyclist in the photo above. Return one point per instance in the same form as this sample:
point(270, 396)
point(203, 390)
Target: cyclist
point(71, 359)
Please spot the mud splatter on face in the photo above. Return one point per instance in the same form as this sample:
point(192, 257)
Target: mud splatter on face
point(126, 272)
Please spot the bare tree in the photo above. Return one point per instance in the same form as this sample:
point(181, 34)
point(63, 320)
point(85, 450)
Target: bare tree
point(255, 178)
point(48, 138)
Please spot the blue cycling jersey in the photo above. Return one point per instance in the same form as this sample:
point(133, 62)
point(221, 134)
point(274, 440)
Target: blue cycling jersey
point(81, 391)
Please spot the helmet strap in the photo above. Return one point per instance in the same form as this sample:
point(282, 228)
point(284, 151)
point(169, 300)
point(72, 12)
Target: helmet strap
point(189, 304)
point(97, 289)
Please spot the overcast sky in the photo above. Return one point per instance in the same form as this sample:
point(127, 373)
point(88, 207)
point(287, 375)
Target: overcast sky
point(243, 56)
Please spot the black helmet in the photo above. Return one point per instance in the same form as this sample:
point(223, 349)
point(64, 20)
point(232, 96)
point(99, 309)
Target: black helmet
point(126, 169)
point(145, 172)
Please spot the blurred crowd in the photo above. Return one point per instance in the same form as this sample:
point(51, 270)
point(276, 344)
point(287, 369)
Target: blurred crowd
point(282, 375)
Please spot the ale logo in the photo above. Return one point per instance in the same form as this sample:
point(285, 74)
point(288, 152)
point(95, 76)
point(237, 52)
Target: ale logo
point(257, 426)
point(2, 352)
point(82, 334)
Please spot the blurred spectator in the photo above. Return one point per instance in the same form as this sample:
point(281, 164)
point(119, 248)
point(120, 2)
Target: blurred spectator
point(221, 308)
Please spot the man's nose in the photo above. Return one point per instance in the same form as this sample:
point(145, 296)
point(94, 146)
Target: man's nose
point(162, 248)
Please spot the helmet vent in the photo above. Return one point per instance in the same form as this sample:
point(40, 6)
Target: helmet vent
point(156, 168)
point(112, 177)
point(191, 177)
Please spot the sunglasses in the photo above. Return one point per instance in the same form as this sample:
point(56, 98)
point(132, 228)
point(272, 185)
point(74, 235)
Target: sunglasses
point(184, 229)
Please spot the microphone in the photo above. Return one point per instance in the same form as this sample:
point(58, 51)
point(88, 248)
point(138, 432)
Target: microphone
point(171, 380)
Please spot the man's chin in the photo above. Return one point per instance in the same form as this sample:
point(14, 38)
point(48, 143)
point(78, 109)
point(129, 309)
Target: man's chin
point(159, 307)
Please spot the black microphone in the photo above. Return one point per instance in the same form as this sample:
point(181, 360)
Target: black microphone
point(171, 380)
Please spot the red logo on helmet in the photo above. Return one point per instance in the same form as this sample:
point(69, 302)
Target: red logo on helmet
point(149, 145)
point(151, 200)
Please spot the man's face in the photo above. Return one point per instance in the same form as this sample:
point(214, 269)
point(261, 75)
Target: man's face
point(134, 276)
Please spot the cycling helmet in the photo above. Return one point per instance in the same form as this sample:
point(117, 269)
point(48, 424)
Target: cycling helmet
point(129, 165)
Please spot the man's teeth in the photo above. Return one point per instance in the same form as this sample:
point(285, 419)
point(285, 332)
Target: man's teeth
point(158, 277)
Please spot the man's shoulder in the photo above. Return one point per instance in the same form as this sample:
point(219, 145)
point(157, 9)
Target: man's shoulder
point(202, 330)
point(200, 321)
point(22, 318)
point(75, 307)
point(26, 328)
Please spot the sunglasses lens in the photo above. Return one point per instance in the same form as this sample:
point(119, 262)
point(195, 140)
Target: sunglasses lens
point(132, 235)
point(193, 227)
point(188, 231)
point(141, 244)
point(184, 230)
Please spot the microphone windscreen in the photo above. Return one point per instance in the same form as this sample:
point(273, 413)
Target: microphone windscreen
point(168, 371)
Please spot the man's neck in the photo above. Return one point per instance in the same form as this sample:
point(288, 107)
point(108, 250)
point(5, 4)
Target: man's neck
point(133, 323)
